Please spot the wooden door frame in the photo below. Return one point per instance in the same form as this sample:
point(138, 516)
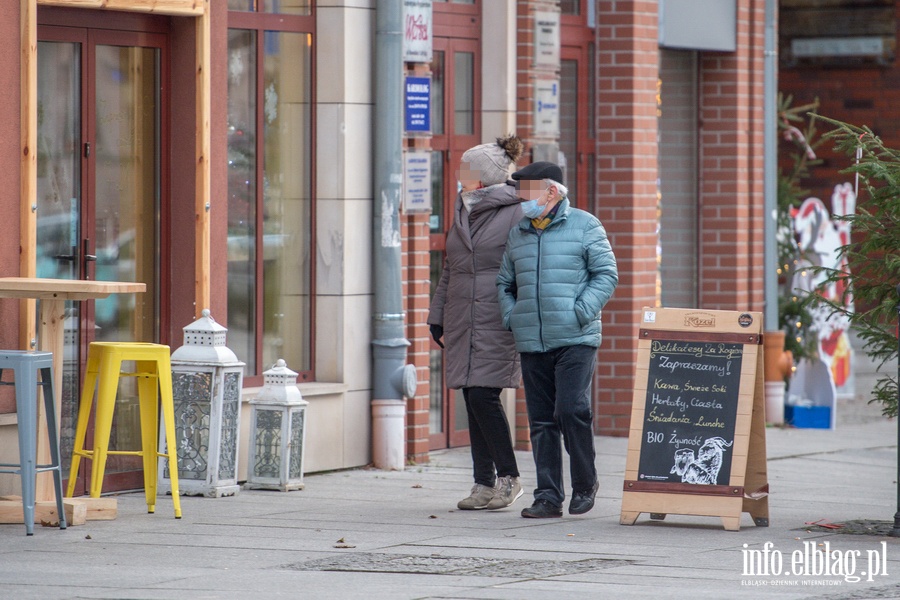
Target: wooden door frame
point(453, 146)
point(199, 10)
point(88, 38)
point(583, 141)
point(577, 39)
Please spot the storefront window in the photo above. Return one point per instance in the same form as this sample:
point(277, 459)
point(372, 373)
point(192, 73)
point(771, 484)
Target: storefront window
point(464, 93)
point(241, 195)
point(570, 7)
point(678, 174)
point(437, 93)
point(282, 7)
point(270, 203)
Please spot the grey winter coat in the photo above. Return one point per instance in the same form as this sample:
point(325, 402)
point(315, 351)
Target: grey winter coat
point(479, 351)
point(553, 286)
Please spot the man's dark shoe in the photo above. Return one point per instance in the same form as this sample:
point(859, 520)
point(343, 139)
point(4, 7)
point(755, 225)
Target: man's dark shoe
point(583, 501)
point(542, 509)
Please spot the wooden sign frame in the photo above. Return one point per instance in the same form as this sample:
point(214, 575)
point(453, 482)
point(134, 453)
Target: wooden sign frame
point(747, 487)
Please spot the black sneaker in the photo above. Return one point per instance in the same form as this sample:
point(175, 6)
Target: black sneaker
point(583, 501)
point(542, 509)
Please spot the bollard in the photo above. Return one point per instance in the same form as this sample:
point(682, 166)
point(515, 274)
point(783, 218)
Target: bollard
point(895, 532)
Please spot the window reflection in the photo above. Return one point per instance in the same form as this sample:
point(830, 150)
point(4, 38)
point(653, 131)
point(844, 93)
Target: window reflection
point(286, 200)
point(270, 199)
point(242, 195)
point(59, 160)
point(568, 125)
point(436, 219)
point(284, 7)
point(570, 7)
point(437, 93)
point(464, 93)
point(287, 7)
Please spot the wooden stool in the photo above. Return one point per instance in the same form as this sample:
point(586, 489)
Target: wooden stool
point(26, 366)
point(154, 373)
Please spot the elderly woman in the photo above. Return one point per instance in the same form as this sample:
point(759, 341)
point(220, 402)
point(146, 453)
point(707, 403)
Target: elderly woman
point(480, 354)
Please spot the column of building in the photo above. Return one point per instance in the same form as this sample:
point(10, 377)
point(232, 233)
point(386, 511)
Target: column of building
point(731, 166)
point(628, 57)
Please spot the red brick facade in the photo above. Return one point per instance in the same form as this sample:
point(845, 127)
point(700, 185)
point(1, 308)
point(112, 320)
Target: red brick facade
point(414, 230)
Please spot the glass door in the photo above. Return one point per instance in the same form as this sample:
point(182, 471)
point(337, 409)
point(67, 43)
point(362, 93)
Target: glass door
point(578, 101)
point(455, 122)
point(99, 200)
point(577, 124)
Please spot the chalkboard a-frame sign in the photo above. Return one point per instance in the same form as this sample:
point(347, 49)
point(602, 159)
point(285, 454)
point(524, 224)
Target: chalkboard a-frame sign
point(697, 444)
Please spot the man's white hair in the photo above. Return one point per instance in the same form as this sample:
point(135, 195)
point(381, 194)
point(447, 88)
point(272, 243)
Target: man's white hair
point(563, 190)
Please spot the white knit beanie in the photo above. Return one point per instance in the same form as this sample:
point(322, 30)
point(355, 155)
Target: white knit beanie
point(494, 160)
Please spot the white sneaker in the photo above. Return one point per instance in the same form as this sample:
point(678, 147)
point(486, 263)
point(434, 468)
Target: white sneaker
point(479, 498)
point(508, 491)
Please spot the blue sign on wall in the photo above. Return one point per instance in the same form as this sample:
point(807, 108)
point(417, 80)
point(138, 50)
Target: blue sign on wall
point(418, 104)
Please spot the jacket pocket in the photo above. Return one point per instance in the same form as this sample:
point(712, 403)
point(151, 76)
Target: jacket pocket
point(582, 315)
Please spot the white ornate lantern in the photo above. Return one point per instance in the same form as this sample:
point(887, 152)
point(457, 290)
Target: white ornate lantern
point(277, 433)
point(206, 386)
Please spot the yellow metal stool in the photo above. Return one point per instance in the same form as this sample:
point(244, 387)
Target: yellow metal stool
point(154, 373)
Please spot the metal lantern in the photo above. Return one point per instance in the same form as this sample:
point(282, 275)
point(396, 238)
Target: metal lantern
point(277, 433)
point(206, 387)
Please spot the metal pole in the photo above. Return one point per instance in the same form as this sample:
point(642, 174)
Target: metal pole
point(389, 342)
point(895, 532)
point(770, 155)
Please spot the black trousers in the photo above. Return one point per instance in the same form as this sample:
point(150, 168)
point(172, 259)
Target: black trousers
point(558, 397)
point(492, 450)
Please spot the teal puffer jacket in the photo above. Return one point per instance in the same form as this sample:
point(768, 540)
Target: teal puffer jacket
point(552, 287)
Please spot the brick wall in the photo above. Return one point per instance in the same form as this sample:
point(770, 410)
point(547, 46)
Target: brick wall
point(626, 183)
point(415, 235)
point(417, 298)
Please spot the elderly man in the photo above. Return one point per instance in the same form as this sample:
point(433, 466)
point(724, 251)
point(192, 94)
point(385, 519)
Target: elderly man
point(557, 273)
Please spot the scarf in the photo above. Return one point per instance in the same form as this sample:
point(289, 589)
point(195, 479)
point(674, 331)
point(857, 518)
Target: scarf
point(541, 223)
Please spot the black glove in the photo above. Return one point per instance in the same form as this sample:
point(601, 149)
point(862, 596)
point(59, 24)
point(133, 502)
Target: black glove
point(437, 332)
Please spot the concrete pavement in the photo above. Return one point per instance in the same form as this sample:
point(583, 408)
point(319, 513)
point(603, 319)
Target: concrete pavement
point(373, 534)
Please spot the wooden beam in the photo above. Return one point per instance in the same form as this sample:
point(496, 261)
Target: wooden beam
point(28, 168)
point(78, 510)
point(183, 8)
point(98, 509)
point(44, 512)
point(202, 189)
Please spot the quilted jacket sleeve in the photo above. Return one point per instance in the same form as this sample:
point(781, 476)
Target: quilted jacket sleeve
point(603, 274)
point(436, 312)
point(506, 285)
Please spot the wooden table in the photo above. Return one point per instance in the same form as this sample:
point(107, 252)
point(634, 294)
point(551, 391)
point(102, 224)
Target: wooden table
point(53, 294)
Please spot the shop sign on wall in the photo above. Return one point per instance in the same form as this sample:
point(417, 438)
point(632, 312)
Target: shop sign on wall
point(546, 107)
point(416, 182)
point(546, 39)
point(417, 96)
point(417, 30)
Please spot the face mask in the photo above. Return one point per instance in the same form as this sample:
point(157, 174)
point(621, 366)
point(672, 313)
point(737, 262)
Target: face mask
point(531, 208)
